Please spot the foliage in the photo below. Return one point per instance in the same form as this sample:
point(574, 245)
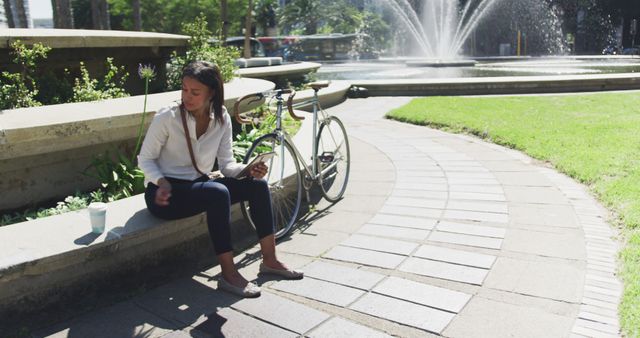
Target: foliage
point(70, 203)
point(118, 175)
point(168, 16)
point(593, 138)
point(110, 87)
point(304, 15)
point(263, 123)
point(265, 15)
point(18, 90)
point(199, 48)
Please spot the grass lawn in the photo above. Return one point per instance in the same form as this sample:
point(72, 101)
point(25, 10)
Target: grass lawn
point(594, 138)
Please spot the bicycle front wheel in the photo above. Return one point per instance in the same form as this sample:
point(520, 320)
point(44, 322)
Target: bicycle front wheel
point(284, 180)
point(333, 158)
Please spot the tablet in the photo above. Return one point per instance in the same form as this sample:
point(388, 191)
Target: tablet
point(264, 157)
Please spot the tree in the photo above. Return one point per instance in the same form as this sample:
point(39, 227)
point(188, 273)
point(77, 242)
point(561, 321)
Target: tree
point(62, 15)
point(100, 14)
point(137, 16)
point(304, 15)
point(16, 13)
point(265, 15)
point(247, 32)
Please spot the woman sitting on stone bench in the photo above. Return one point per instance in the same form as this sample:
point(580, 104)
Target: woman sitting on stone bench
point(176, 188)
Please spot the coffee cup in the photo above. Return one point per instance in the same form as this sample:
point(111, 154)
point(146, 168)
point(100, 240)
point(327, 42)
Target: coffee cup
point(97, 213)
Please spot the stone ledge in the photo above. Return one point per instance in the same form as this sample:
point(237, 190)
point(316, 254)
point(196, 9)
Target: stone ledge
point(54, 260)
point(298, 68)
point(39, 130)
point(500, 85)
point(84, 38)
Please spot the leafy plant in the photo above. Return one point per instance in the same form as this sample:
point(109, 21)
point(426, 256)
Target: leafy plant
point(118, 176)
point(70, 203)
point(110, 87)
point(18, 90)
point(200, 48)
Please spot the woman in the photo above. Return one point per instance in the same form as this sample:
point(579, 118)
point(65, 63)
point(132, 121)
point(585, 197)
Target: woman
point(176, 187)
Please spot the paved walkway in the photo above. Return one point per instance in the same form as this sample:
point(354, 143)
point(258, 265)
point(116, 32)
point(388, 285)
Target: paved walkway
point(438, 234)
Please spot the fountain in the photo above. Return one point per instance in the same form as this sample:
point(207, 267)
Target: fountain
point(442, 29)
point(438, 30)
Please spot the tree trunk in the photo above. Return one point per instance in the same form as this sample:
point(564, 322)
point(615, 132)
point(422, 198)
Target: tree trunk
point(137, 16)
point(225, 22)
point(247, 31)
point(16, 13)
point(100, 14)
point(62, 15)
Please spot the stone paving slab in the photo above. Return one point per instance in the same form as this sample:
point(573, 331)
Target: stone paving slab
point(489, 318)
point(282, 312)
point(403, 312)
point(394, 231)
point(557, 279)
point(471, 229)
point(484, 206)
point(487, 189)
point(419, 194)
point(437, 253)
point(423, 294)
point(121, 320)
point(404, 221)
point(229, 323)
point(443, 270)
point(568, 244)
point(356, 278)
point(469, 240)
point(477, 196)
point(410, 211)
point(416, 202)
point(478, 216)
point(320, 290)
point(337, 327)
point(366, 257)
point(380, 244)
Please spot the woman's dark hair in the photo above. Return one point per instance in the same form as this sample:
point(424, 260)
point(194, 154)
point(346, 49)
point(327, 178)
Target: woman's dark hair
point(208, 74)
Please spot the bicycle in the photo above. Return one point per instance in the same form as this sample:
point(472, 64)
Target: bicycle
point(329, 164)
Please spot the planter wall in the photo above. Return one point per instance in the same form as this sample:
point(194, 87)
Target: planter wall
point(43, 150)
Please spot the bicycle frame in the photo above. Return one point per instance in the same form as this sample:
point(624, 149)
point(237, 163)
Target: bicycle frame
point(313, 172)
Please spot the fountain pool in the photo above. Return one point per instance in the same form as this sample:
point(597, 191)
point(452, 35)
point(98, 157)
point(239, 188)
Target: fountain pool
point(489, 67)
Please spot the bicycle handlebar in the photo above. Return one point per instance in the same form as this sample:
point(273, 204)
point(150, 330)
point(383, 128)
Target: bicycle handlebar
point(260, 96)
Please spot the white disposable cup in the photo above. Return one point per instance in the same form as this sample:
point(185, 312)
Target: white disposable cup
point(97, 213)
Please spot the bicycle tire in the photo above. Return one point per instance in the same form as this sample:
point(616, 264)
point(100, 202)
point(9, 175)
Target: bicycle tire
point(333, 158)
point(286, 198)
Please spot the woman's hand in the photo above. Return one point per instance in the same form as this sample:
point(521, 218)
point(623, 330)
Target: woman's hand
point(163, 193)
point(258, 170)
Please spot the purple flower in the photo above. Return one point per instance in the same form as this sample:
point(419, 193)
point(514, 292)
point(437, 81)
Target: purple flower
point(146, 72)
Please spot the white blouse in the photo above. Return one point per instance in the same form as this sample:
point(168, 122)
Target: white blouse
point(164, 151)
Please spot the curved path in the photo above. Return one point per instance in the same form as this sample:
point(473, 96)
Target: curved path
point(439, 234)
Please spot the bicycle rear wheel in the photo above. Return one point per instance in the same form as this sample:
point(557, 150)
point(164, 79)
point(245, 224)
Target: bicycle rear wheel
point(284, 180)
point(333, 158)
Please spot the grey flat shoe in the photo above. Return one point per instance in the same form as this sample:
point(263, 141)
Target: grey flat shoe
point(286, 274)
point(249, 291)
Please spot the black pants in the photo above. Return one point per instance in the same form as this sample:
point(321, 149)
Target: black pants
point(215, 197)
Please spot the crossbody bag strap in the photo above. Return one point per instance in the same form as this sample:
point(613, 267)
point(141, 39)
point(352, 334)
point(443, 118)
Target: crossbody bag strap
point(186, 134)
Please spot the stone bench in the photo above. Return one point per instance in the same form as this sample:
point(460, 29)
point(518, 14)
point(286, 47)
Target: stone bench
point(50, 262)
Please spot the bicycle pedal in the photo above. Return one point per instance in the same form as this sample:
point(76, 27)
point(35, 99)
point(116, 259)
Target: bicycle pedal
point(326, 157)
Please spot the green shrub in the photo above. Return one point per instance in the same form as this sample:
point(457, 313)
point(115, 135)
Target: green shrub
point(18, 90)
point(199, 48)
point(110, 87)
